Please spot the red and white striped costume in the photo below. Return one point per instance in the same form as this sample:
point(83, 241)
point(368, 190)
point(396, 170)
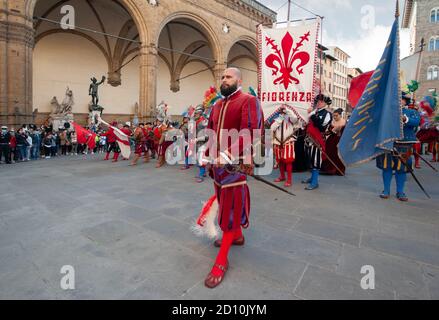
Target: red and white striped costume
point(284, 133)
point(284, 130)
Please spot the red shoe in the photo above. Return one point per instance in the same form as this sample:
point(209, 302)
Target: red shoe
point(288, 184)
point(214, 281)
point(237, 242)
point(279, 180)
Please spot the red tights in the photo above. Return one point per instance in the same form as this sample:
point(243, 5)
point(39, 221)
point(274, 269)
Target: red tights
point(289, 168)
point(226, 243)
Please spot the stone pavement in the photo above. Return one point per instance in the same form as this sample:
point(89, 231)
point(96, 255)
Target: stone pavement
point(126, 232)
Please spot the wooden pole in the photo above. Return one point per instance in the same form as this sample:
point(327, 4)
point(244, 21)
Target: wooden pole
point(289, 10)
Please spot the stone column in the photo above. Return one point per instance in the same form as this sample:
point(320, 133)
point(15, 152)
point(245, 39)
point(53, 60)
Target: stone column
point(218, 72)
point(17, 38)
point(148, 80)
point(3, 68)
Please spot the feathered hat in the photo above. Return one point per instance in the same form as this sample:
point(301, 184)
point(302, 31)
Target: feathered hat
point(322, 97)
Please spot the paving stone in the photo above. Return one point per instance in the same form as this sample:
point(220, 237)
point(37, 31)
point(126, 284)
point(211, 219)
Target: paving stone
point(330, 231)
point(319, 284)
point(24, 285)
point(127, 233)
point(281, 221)
point(111, 232)
point(409, 229)
point(431, 275)
point(151, 290)
point(417, 250)
point(240, 285)
point(176, 269)
point(339, 213)
point(393, 273)
point(276, 267)
point(313, 251)
point(176, 231)
point(135, 214)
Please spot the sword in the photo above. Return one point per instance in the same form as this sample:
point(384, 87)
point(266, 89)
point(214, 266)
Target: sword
point(272, 185)
point(428, 163)
point(233, 169)
point(411, 172)
point(326, 155)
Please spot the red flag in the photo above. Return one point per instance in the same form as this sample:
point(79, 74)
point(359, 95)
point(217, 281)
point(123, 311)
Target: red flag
point(84, 136)
point(315, 134)
point(358, 85)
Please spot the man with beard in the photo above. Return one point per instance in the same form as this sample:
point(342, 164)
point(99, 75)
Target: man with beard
point(242, 112)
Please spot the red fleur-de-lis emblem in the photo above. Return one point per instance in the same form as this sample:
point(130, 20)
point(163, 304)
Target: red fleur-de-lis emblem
point(283, 62)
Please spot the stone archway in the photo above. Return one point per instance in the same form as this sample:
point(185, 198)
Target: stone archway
point(122, 58)
point(243, 54)
point(188, 55)
point(117, 54)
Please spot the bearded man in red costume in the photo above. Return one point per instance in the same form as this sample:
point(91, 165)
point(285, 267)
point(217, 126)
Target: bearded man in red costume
point(233, 162)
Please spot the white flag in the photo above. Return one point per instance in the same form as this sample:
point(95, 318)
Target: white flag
point(288, 67)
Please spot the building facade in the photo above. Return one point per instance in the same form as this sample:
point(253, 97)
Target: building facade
point(340, 77)
point(149, 51)
point(325, 71)
point(422, 18)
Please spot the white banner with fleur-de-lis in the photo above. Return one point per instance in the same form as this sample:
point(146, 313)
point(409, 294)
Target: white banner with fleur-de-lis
point(287, 67)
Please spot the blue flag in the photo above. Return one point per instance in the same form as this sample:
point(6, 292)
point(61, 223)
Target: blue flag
point(376, 121)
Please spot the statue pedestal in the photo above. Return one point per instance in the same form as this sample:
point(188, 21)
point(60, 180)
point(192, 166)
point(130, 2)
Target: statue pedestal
point(58, 120)
point(92, 117)
point(136, 121)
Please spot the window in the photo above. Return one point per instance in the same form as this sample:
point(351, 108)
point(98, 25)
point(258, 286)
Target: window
point(434, 17)
point(433, 73)
point(434, 44)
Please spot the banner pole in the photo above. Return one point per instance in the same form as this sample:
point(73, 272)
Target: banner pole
point(289, 10)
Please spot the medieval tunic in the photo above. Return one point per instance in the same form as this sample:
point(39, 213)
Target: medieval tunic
point(239, 111)
point(162, 144)
point(389, 160)
point(140, 139)
point(320, 120)
point(111, 140)
point(284, 136)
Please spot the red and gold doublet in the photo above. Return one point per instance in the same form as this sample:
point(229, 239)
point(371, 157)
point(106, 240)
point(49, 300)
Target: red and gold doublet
point(239, 111)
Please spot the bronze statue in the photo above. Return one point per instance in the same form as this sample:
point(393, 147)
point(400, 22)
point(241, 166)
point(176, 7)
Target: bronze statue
point(93, 90)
